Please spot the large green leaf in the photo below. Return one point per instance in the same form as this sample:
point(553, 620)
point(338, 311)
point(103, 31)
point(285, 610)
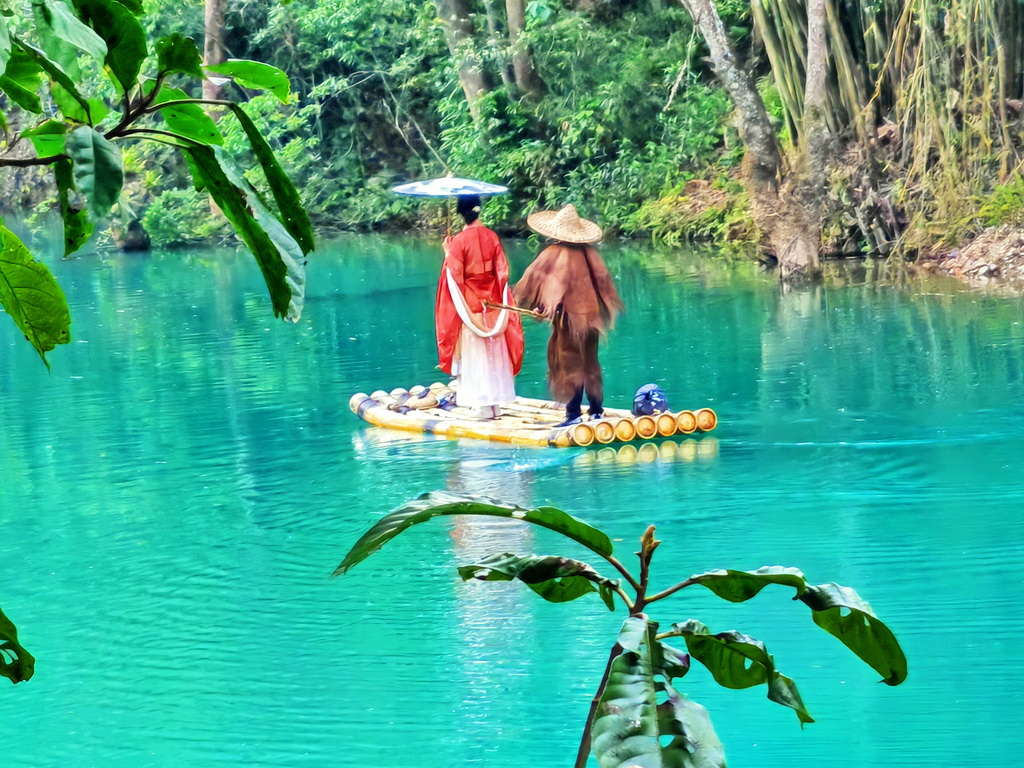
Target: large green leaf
point(177, 53)
point(78, 226)
point(255, 75)
point(836, 609)
point(737, 660)
point(16, 663)
point(437, 503)
point(737, 586)
point(556, 579)
point(97, 169)
point(5, 44)
point(278, 255)
point(55, 71)
point(187, 120)
point(840, 611)
point(48, 138)
point(31, 296)
point(123, 34)
point(631, 724)
point(55, 21)
point(21, 80)
point(289, 204)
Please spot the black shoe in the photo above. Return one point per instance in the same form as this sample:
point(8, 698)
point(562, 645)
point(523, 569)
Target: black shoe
point(572, 421)
point(595, 415)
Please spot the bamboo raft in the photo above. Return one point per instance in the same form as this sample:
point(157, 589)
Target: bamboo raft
point(525, 421)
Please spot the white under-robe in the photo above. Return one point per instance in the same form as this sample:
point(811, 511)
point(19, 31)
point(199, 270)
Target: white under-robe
point(482, 363)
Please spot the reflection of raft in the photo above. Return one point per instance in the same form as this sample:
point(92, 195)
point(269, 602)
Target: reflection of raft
point(525, 421)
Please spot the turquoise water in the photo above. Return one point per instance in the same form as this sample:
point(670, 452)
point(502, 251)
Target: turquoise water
point(175, 493)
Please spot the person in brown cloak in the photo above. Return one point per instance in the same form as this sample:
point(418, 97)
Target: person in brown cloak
point(569, 284)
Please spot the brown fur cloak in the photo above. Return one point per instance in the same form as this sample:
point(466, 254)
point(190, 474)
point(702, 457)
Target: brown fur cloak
point(571, 286)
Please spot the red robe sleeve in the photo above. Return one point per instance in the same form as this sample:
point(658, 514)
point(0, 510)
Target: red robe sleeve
point(447, 323)
point(514, 330)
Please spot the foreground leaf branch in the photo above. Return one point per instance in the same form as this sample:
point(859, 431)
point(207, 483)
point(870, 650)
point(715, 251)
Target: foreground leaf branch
point(16, 663)
point(38, 74)
point(637, 716)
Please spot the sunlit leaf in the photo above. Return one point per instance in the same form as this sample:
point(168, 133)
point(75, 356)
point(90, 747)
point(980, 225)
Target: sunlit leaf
point(55, 71)
point(841, 612)
point(737, 586)
point(188, 120)
point(21, 81)
point(97, 169)
point(437, 503)
point(737, 660)
point(289, 204)
point(16, 663)
point(31, 296)
point(255, 75)
point(556, 579)
point(48, 138)
point(278, 255)
point(177, 53)
point(73, 110)
point(61, 24)
point(123, 34)
point(632, 633)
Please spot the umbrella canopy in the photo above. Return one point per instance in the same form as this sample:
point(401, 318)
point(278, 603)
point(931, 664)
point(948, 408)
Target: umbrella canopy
point(448, 186)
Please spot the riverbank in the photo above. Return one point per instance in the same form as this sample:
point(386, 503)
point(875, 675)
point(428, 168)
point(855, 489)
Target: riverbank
point(993, 259)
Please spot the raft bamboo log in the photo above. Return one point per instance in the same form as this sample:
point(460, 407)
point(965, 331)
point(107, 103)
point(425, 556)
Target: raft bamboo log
point(686, 422)
point(707, 419)
point(604, 431)
point(646, 427)
point(625, 430)
point(666, 424)
point(526, 421)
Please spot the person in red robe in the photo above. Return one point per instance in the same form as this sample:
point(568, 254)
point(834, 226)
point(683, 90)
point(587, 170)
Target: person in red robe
point(481, 346)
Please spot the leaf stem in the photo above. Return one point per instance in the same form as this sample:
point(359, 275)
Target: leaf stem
point(625, 598)
point(159, 132)
point(584, 750)
point(670, 590)
point(622, 569)
point(25, 162)
point(175, 102)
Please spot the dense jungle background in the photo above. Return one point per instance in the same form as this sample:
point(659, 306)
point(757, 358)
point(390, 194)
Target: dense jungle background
point(612, 105)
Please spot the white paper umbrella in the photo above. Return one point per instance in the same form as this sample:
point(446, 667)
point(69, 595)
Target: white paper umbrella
point(448, 186)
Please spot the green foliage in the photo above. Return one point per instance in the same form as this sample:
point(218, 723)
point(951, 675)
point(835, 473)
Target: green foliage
point(717, 212)
point(256, 75)
point(382, 104)
point(16, 663)
point(60, 46)
point(638, 717)
point(96, 165)
point(1005, 205)
point(556, 579)
point(31, 296)
point(179, 217)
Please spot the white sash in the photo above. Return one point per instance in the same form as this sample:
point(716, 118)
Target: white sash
point(463, 310)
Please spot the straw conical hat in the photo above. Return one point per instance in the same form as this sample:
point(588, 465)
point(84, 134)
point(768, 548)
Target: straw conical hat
point(565, 225)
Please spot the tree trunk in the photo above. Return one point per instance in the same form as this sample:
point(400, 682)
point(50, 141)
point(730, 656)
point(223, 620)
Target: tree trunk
point(792, 230)
point(458, 29)
point(808, 193)
point(527, 79)
point(497, 41)
point(213, 43)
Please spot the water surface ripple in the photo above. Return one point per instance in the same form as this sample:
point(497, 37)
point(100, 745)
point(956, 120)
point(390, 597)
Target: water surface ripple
point(177, 490)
